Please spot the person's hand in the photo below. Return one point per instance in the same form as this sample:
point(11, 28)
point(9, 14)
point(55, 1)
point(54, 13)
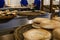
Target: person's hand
point(31, 5)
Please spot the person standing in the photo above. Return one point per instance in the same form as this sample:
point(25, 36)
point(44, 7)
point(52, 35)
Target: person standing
point(37, 4)
point(24, 2)
point(2, 3)
point(34, 4)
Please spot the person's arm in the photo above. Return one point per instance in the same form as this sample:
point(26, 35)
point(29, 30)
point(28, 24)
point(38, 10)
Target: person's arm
point(4, 4)
point(24, 3)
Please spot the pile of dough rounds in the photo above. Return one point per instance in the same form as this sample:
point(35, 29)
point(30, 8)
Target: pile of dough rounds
point(56, 18)
point(40, 32)
point(37, 34)
point(8, 12)
point(45, 23)
point(56, 34)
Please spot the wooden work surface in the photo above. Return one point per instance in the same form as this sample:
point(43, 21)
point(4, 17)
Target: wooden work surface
point(30, 13)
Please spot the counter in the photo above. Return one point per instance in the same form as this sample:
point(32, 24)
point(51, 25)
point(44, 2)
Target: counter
point(10, 25)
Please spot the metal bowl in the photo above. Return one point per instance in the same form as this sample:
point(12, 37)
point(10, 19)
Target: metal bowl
point(6, 18)
point(20, 30)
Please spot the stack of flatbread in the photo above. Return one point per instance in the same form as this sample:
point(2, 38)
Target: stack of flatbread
point(45, 23)
point(56, 34)
point(37, 34)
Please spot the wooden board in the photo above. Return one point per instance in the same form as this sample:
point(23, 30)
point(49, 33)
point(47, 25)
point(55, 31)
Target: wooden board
point(30, 13)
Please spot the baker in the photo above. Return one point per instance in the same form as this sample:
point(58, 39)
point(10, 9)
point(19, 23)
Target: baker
point(24, 2)
point(35, 3)
point(2, 3)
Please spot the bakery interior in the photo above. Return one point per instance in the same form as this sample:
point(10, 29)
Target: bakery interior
point(29, 19)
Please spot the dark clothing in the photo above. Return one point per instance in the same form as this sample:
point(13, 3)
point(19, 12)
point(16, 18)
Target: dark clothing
point(2, 3)
point(37, 4)
point(24, 2)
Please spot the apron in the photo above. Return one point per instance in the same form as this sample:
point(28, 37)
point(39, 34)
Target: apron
point(24, 2)
point(2, 2)
point(37, 4)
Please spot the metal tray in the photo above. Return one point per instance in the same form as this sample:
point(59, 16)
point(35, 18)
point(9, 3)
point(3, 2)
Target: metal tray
point(9, 26)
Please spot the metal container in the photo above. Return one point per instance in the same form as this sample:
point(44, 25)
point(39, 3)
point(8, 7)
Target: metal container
point(7, 37)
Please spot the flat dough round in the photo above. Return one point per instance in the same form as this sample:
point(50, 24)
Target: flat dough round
point(36, 34)
point(45, 23)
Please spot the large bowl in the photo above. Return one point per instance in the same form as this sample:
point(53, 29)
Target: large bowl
point(4, 19)
point(19, 31)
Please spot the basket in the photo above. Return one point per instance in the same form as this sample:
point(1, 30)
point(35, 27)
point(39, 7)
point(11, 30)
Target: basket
point(20, 30)
point(31, 13)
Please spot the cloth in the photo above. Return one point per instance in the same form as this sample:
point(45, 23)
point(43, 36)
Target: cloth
point(2, 2)
point(24, 2)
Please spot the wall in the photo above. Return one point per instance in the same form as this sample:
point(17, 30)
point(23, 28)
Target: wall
point(12, 2)
point(56, 2)
point(46, 2)
point(17, 2)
